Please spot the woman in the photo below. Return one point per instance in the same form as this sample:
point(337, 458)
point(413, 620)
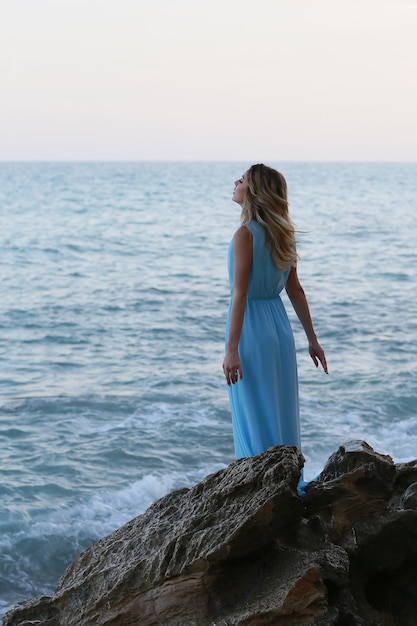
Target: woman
point(260, 362)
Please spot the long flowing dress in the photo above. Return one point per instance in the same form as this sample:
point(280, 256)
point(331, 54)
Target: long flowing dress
point(264, 404)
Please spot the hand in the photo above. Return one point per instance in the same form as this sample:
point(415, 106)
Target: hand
point(317, 354)
point(232, 368)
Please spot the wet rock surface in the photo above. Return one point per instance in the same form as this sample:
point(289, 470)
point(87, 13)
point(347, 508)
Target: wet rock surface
point(241, 548)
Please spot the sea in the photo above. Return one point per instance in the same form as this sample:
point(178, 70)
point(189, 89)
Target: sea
point(113, 303)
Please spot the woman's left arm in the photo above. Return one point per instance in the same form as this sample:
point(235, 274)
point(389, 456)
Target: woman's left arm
point(299, 302)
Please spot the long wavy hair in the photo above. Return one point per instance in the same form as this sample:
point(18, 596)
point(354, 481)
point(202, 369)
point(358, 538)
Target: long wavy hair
point(266, 203)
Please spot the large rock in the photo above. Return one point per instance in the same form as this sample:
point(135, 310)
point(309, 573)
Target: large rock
point(242, 548)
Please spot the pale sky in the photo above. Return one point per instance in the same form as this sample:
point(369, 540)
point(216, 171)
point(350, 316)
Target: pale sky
point(208, 80)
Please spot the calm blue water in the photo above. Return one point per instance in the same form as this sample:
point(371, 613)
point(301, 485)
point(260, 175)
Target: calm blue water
point(113, 300)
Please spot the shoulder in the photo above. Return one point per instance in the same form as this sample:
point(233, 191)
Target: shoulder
point(256, 230)
point(253, 227)
point(242, 243)
point(243, 234)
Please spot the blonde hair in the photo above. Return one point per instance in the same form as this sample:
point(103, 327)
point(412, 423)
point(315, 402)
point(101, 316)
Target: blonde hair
point(266, 203)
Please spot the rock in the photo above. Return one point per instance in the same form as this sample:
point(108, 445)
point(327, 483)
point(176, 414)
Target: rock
point(355, 482)
point(241, 548)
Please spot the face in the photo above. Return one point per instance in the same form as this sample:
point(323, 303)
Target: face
point(241, 186)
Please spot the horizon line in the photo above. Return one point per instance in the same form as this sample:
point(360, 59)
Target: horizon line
point(104, 161)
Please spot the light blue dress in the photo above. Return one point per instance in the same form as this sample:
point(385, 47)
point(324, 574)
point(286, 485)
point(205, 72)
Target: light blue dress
point(264, 404)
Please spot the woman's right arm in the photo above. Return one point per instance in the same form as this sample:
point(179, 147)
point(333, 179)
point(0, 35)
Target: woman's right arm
point(299, 301)
point(242, 249)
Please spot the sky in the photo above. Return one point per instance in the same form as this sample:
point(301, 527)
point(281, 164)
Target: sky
point(292, 80)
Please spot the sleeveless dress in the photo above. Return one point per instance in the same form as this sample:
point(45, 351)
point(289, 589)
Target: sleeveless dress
point(264, 404)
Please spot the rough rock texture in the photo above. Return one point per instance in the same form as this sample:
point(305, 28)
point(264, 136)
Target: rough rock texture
point(241, 548)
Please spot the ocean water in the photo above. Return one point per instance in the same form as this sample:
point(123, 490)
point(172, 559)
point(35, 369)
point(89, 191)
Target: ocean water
point(113, 301)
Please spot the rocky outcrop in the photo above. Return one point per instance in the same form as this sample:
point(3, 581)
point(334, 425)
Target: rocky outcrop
point(242, 548)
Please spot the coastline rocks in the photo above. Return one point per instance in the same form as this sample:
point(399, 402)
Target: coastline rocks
point(241, 548)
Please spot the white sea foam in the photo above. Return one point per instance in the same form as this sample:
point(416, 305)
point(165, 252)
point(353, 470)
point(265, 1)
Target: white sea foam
point(69, 530)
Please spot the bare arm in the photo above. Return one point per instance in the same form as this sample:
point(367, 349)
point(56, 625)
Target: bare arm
point(242, 248)
point(299, 302)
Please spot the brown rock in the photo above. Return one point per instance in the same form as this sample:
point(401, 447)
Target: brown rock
point(242, 549)
point(355, 482)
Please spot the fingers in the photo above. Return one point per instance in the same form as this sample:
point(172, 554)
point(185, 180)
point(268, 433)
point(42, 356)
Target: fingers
point(322, 359)
point(233, 374)
point(319, 357)
point(324, 363)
